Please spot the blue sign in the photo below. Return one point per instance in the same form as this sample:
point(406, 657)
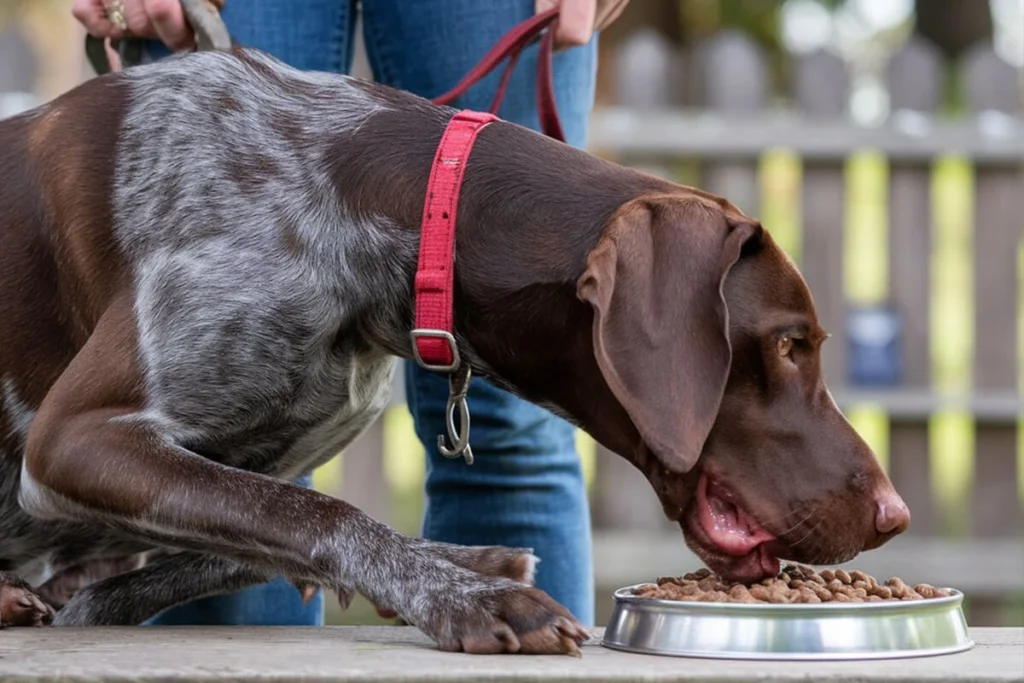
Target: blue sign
point(873, 344)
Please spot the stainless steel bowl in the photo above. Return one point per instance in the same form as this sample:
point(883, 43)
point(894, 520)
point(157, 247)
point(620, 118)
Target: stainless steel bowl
point(819, 631)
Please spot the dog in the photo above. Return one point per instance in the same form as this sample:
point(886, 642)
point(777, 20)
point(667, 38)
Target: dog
point(207, 280)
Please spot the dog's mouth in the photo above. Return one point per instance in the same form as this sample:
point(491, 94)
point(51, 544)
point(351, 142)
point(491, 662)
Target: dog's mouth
point(727, 537)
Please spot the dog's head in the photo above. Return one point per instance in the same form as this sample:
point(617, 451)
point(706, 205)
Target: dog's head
point(706, 335)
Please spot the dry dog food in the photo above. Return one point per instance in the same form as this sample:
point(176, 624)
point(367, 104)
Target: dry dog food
point(795, 584)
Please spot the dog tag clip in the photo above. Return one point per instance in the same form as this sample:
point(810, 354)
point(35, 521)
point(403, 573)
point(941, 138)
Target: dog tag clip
point(458, 387)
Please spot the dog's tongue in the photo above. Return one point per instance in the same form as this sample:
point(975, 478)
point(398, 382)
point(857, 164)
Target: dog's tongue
point(727, 525)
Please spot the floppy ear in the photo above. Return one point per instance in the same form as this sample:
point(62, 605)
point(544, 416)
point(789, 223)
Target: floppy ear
point(661, 328)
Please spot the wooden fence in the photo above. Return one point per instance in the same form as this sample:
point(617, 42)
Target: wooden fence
point(934, 414)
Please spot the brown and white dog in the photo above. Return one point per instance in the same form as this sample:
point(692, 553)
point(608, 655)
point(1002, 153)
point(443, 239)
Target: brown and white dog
point(206, 276)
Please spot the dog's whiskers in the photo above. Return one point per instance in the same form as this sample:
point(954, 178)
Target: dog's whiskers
point(810, 513)
point(807, 535)
point(767, 523)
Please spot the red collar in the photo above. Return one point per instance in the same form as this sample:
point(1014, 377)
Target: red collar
point(433, 339)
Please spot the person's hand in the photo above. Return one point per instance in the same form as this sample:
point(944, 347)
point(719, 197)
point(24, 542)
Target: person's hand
point(579, 19)
point(160, 19)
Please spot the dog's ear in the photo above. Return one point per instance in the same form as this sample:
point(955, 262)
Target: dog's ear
point(661, 328)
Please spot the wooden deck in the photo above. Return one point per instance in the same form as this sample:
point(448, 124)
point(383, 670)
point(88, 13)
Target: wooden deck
point(383, 654)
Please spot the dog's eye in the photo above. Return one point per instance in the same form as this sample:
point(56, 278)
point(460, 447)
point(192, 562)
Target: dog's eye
point(785, 346)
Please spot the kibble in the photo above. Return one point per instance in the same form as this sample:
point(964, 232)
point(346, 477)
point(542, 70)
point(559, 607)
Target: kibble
point(795, 584)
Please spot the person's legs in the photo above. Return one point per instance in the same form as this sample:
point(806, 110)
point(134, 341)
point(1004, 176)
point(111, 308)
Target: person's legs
point(313, 35)
point(309, 35)
point(526, 486)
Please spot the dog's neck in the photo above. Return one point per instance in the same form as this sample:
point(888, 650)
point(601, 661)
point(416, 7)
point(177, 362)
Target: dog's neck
point(530, 211)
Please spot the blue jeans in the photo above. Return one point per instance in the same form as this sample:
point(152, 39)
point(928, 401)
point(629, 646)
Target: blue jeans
point(526, 487)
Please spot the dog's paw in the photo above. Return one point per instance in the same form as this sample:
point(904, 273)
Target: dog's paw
point(494, 616)
point(20, 605)
point(517, 564)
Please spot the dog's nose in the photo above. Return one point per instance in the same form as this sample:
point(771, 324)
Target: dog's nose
point(892, 515)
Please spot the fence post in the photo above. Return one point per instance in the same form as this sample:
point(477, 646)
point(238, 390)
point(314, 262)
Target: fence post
point(820, 91)
point(993, 88)
point(735, 82)
point(646, 67)
point(363, 483)
point(915, 78)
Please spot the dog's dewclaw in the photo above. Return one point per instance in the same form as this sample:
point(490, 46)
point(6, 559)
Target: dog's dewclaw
point(345, 597)
point(307, 590)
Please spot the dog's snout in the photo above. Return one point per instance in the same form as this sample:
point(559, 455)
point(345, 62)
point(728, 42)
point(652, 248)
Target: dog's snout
point(891, 514)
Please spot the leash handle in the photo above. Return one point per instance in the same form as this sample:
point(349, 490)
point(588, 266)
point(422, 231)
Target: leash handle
point(511, 47)
point(212, 34)
point(202, 16)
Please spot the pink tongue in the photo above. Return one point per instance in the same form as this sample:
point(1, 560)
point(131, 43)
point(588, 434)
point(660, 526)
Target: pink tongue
point(727, 526)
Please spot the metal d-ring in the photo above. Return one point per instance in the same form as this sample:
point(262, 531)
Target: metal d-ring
point(458, 387)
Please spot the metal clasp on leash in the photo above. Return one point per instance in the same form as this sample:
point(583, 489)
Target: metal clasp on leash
point(458, 387)
point(459, 376)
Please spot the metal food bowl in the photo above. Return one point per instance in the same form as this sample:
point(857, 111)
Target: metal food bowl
point(817, 631)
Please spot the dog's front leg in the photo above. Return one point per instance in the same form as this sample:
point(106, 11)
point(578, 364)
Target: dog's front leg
point(93, 454)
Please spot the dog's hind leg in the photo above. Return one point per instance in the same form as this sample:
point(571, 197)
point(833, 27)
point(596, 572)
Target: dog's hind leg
point(133, 597)
point(62, 586)
point(20, 605)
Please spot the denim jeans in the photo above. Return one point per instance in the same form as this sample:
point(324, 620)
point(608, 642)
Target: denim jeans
point(526, 487)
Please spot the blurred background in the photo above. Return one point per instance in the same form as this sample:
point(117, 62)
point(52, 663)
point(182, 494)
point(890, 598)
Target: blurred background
point(882, 143)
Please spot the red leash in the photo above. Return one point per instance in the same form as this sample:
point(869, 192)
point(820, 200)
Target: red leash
point(512, 45)
point(433, 339)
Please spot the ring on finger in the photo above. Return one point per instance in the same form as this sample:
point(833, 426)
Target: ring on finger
point(116, 15)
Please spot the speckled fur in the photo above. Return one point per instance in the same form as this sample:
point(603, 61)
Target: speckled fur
point(265, 313)
point(251, 288)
